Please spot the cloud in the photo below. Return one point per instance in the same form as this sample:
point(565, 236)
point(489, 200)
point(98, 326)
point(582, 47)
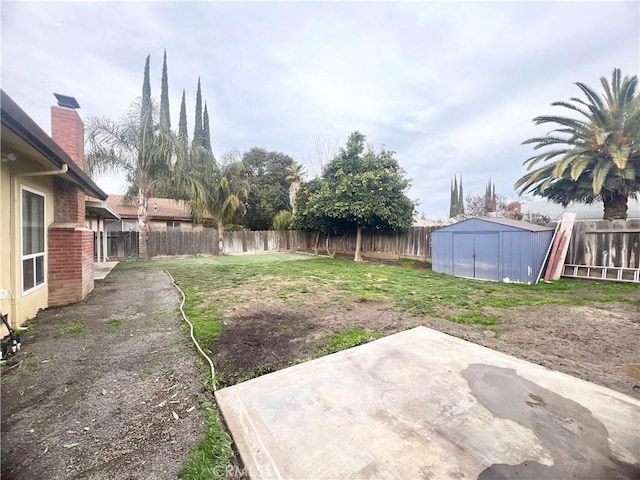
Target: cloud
point(451, 87)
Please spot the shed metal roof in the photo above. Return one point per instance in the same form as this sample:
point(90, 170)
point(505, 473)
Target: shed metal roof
point(530, 227)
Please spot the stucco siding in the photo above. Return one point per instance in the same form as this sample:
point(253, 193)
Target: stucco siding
point(20, 306)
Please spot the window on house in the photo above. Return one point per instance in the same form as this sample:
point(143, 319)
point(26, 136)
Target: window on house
point(33, 242)
point(173, 224)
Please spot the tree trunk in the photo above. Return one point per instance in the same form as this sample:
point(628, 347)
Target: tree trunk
point(316, 246)
point(220, 238)
point(293, 194)
point(358, 257)
point(326, 243)
point(143, 227)
point(615, 206)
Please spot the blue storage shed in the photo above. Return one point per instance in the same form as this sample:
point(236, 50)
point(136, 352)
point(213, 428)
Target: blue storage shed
point(497, 249)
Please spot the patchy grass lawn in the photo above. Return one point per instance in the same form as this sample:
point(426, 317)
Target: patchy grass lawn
point(257, 314)
point(213, 285)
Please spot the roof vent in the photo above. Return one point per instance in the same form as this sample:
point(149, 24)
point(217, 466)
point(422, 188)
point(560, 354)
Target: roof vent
point(65, 101)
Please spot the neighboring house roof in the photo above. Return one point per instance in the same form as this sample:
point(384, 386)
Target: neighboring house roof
point(594, 211)
point(159, 208)
point(530, 227)
point(23, 129)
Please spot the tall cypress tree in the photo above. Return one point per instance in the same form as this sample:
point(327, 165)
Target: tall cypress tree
point(460, 199)
point(183, 134)
point(205, 129)
point(490, 197)
point(165, 115)
point(146, 109)
point(452, 201)
point(455, 198)
point(198, 134)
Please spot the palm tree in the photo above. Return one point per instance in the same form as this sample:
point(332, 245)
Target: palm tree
point(295, 176)
point(226, 188)
point(145, 155)
point(592, 158)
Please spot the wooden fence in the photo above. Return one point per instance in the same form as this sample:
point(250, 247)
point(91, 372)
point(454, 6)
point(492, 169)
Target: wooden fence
point(175, 242)
point(121, 245)
point(413, 243)
point(604, 243)
point(265, 241)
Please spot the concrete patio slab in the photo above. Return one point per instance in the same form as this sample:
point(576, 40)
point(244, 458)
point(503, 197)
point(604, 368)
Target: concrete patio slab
point(102, 269)
point(422, 404)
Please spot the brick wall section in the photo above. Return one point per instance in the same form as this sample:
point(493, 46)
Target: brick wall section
point(67, 130)
point(69, 203)
point(70, 244)
point(70, 264)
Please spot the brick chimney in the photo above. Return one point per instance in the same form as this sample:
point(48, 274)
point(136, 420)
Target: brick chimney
point(67, 129)
point(70, 243)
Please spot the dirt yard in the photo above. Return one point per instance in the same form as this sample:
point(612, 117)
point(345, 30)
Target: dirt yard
point(596, 343)
point(106, 389)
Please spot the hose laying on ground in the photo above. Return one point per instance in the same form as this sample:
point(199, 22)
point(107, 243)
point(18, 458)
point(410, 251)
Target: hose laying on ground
point(193, 339)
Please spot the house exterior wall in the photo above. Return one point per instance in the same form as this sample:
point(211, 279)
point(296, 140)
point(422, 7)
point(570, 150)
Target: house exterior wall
point(185, 225)
point(47, 258)
point(20, 306)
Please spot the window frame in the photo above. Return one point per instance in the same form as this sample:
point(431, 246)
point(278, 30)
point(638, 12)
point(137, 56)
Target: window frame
point(33, 256)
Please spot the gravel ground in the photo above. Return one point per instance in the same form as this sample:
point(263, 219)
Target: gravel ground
point(104, 389)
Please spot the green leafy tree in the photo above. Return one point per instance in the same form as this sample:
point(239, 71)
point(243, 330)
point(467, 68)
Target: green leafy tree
point(362, 189)
point(137, 145)
point(268, 187)
point(593, 157)
point(295, 177)
point(283, 220)
point(305, 218)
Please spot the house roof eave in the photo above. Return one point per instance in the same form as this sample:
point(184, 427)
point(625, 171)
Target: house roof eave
point(16, 120)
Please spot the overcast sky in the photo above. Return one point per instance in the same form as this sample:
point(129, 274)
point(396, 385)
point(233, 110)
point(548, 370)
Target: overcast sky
point(450, 86)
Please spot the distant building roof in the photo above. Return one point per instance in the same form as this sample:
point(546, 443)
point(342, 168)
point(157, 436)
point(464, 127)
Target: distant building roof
point(583, 211)
point(426, 222)
point(159, 208)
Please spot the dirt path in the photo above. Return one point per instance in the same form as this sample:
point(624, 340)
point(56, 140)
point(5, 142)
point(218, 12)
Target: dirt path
point(98, 386)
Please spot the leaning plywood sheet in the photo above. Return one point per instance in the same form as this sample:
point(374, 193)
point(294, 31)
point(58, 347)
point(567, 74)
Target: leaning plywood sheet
point(560, 247)
point(422, 404)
